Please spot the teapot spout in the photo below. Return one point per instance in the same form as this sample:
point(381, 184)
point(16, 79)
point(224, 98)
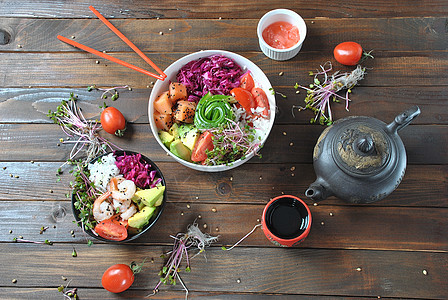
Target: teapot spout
point(317, 191)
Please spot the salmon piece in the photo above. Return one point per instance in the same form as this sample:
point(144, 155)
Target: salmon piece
point(177, 91)
point(163, 121)
point(184, 112)
point(163, 104)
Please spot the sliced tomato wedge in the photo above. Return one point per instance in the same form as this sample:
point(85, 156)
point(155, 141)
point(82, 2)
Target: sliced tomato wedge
point(117, 220)
point(247, 82)
point(261, 100)
point(244, 98)
point(204, 143)
point(111, 230)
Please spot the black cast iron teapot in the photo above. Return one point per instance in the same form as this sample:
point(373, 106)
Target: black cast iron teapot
point(360, 159)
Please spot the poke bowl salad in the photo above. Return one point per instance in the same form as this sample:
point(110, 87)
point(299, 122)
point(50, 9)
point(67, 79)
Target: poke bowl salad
point(213, 112)
point(118, 196)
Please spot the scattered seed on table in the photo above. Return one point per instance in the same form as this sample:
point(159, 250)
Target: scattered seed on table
point(205, 225)
point(322, 223)
point(293, 168)
point(4, 168)
point(291, 144)
point(312, 22)
point(292, 174)
point(199, 217)
point(64, 278)
point(425, 272)
point(197, 197)
point(19, 46)
point(14, 280)
point(161, 33)
point(169, 29)
point(331, 214)
point(188, 206)
point(10, 175)
point(358, 269)
point(10, 231)
point(181, 213)
point(261, 177)
point(17, 176)
point(315, 204)
point(97, 62)
point(73, 37)
point(220, 18)
point(258, 220)
point(20, 237)
point(231, 178)
point(213, 209)
point(72, 232)
point(129, 89)
point(280, 74)
point(297, 92)
point(104, 51)
point(238, 280)
point(216, 229)
point(284, 132)
point(51, 191)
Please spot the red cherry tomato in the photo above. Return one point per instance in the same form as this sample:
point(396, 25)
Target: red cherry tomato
point(111, 230)
point(118, 278)
point(113, 121)
point(247, 82)
point(205, 142)
point(261, 100)
point(245, 98)
point(348, 53)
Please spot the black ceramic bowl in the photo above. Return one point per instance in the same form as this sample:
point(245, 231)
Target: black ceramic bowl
point(153, 219)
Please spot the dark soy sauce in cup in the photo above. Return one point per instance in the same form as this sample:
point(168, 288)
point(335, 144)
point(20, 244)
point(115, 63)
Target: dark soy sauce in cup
point(287, 218)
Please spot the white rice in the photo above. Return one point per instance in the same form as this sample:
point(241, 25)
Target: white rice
point(260, 124)
point(102, 171)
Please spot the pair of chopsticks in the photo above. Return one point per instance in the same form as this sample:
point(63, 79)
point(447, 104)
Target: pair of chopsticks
point(160, 76)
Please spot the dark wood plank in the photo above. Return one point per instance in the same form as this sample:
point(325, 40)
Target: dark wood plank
point(290, 271)
point(31, 105)
point(42, 141)
point(79, 69)
point(323, 34)
point(422, 186)
point(97, 293)
point(334, 227)
point(225, 9)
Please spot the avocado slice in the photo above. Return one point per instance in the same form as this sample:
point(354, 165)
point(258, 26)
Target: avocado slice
point(166, 138)
point(141, 218)
point(189, 135)
point(180, 150)
point(174, 131)
point(150, 197)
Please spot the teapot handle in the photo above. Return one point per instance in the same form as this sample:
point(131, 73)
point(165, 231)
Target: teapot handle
point(403, 119)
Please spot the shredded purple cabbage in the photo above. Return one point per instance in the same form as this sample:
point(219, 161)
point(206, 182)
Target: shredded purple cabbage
point(132, 168)
point(216, 74)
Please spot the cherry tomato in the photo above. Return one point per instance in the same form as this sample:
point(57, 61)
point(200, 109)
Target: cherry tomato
point(348, 53)
point(117, 278)
point(111, 230)
point(261, 100)
point(247, 82)
point(113, 121)
point(245, 98)
point(205, 142)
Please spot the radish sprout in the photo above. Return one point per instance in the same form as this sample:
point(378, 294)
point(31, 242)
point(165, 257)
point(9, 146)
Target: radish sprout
point(110, 91)
point(74, 124)
point(242, 239)
point(183, 242)
point(320, 94)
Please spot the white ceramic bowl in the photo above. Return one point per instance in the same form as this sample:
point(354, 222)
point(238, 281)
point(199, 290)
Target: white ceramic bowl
point(161, 86)
point(277, 15)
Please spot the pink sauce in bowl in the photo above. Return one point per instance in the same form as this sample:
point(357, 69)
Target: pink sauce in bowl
point(281, 35)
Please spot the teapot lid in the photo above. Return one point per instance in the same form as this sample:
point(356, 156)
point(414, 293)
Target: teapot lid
point(361, 146)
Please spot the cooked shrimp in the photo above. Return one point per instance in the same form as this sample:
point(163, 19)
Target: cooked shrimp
point(102, 208)
point(129, 212)
point(122, 189)
point(121, 206)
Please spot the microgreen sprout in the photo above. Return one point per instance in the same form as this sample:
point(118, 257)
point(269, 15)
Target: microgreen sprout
point(324, 91)
point(68, 294)
point(242, 239)
point(46, 242)
point(273, 92)
point(231, 142)
point(194, 238)
point(112, 92)
point(73, 123)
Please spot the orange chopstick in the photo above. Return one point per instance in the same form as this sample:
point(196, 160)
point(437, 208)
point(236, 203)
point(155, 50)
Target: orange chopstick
point(108, 57)
point(126, 40)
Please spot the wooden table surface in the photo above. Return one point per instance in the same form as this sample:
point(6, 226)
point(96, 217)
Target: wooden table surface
point(394, 248)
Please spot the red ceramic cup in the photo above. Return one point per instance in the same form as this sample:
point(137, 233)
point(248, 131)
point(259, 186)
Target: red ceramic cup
point(286, 221)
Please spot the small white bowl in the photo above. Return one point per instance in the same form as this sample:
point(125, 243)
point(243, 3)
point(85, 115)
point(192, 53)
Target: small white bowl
point(277, 15)
point(261, 80)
